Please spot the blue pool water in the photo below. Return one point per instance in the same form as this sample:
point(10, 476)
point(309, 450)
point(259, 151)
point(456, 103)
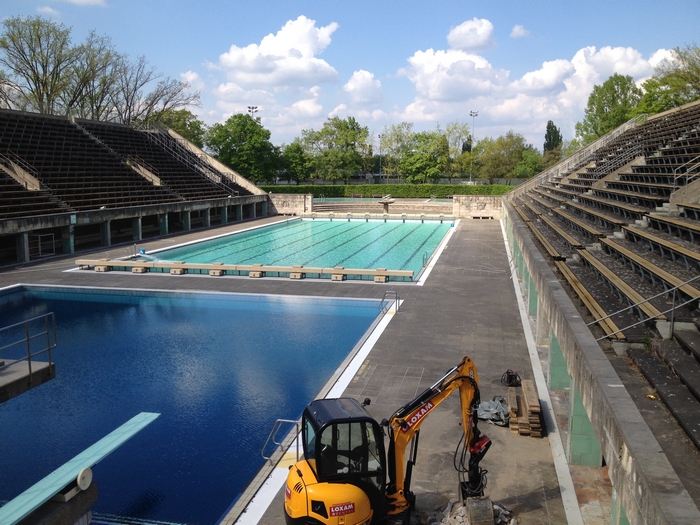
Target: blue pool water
point(220, 368)
point(394, 245)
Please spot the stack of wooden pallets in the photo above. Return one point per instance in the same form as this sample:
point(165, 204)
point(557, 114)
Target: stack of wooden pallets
point(525, 410)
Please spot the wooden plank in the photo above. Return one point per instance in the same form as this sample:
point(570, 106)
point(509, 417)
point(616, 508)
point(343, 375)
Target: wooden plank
point(532, 400)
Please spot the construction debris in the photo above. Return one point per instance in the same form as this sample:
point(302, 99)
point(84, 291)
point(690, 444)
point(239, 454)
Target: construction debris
point(457, 513)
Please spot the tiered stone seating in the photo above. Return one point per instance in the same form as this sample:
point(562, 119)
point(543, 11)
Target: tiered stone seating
point(135, 146)
point(73, 168)
point(17, 201)
point(612, 233)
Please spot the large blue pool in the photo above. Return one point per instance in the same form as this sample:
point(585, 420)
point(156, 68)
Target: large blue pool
point(359, 244)
point(220, 368)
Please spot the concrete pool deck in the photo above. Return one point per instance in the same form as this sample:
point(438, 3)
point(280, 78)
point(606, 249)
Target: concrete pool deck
point(468, 306)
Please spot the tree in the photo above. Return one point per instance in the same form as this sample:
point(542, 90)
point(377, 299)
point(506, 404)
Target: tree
point(186, 123)
point(675, 82)
point(530, 163)
point(337, 148)
point(244, 145)
point(458, 139)
point(682, 75)
point(38, 56)
point(501, 156)
point(395, 143)
point(427, 157)
point(132, 104)
point(296, 164)
point(609, 106)
point(46, 73)
point(552, 137)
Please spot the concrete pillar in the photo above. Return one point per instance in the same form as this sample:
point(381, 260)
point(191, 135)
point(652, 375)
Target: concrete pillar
point(558, 376)
point(163, 223)
point(543, 328)
point(68, 239)
point(137, 227)
point(207, 218)
point(239, 212)
point(253, 211)
point(264, 208)
point(533, 297)
point(618, 516)
point(186, 221)
point(105, 234)
point(224, 215)
point(582, 443)
point(23, 247)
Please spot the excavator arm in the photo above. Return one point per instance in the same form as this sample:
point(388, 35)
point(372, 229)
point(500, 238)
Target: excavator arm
point(404, 428)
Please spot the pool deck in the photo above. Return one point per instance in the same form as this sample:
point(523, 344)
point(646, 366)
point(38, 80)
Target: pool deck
point(468, 306)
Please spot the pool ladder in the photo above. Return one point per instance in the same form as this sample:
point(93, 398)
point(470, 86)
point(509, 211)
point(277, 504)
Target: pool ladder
point(282, 445)
point(387, 299)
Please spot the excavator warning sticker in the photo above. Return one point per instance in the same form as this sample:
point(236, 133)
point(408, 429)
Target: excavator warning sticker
point(341, 509)
point(418, 415)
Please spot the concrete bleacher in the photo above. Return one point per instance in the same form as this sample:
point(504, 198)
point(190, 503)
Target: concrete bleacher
point(71, 167)
point(615, 229)
point(135, 147)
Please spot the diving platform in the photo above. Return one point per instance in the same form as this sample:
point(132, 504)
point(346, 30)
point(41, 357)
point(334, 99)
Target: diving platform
point(70, 479)
point(27, 340)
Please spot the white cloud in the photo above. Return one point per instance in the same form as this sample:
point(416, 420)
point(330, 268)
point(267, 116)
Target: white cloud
point(363, 88)
point(45, 10)
point(661, 55)
point(550, 76)
point(283, 59)
point(472, 35)
point(519, 31)
point(193, 79)
point(87, 2)
point(450, 83)
point(452, 74)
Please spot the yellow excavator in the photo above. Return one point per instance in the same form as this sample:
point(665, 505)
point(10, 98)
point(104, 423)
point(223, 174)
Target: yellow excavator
point(345, 478)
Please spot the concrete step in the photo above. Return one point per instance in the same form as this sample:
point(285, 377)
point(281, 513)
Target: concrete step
point(683, 365)
point(689, 340)
point(680, 402)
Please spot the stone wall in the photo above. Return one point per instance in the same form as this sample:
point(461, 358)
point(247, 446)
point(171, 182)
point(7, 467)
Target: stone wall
point(477, 206)
point(645, 481)
point(289, 204)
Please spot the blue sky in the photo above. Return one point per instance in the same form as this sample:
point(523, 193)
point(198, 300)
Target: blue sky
point(519, 64)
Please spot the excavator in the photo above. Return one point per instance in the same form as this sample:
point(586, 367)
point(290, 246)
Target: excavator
point(344, 476)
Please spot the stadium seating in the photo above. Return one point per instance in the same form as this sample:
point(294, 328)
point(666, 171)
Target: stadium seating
point(135, 146)
point(629, 251)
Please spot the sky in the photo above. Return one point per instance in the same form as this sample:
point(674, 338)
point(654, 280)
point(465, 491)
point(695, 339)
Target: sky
point(517, 64)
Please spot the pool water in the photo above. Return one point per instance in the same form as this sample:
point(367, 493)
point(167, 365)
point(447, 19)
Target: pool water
point(394, 245)
point(219, 368)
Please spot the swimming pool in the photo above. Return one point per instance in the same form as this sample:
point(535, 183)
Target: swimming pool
point(220, 368)
point(324, 243)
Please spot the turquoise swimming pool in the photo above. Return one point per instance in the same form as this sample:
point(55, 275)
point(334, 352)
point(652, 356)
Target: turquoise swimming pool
point(218, 367)
point(359, 244)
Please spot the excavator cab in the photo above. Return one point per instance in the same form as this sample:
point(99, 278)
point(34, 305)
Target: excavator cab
point(344, 452)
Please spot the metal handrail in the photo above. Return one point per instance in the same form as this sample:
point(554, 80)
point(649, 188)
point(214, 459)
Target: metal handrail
point(670, 310)
point(49, 332)
point(687, 171)
point(579, 158)
point(385, 308)
point(272, 436)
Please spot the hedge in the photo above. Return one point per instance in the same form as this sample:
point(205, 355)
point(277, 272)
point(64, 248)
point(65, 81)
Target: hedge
point(399, 191)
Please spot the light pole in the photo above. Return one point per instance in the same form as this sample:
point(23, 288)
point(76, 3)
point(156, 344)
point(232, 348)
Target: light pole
point(473, 115)
point(252, 110)
point(380, 156)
